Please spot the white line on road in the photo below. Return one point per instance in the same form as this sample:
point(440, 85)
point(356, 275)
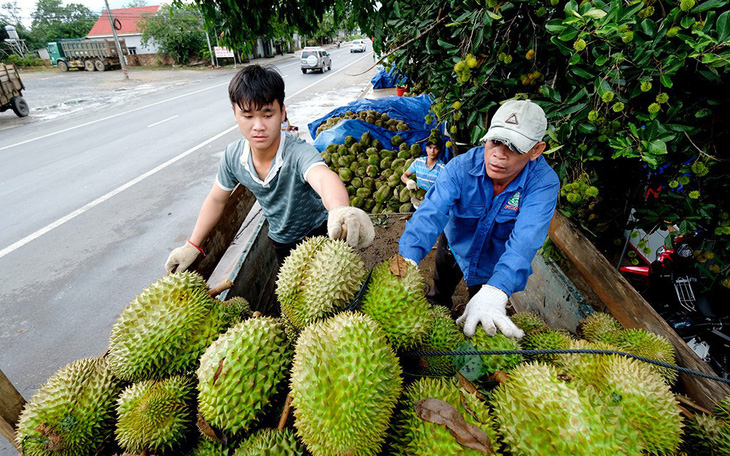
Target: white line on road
point(157, 123)
point(101, 199)
point(110, 117)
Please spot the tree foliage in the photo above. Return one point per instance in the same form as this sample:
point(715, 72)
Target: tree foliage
point(636, 94)
point(177, 31)
point(53, 21)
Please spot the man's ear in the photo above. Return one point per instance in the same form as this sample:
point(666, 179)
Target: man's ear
point(537, 150)
point(283, 111)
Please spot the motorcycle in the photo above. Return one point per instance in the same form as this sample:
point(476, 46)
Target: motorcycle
point(669, 283)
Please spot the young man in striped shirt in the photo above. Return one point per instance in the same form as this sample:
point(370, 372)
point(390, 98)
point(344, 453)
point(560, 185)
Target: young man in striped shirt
point(425, 168)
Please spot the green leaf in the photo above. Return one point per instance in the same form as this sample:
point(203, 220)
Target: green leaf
point(578, 71)
point(723, 26)
point(666, 81)
point(494, 16)
point(708, 5)
point(568, 34)
point(649, 27)
point(687, 21)
point(444, 44)
point(555, 26)
point(601, 60)
point(575, 58)
point(657, 147)
point(595, 13)
point(587, 128)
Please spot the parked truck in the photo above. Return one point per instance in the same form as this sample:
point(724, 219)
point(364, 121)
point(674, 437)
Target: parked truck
point(11, 96)
point(89, 55)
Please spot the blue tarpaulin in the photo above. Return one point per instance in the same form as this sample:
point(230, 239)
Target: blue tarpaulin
point(384, 79)
point(411, 110)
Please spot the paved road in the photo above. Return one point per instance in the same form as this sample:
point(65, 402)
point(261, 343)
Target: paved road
point(94, 201)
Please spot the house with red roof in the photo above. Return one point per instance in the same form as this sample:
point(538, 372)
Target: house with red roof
point(125, 21)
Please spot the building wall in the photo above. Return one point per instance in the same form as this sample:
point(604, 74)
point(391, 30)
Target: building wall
point(133, 41)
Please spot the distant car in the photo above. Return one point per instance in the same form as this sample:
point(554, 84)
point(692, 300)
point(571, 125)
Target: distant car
point(357, 46)
point(315, 58)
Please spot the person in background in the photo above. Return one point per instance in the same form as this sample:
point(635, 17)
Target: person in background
point(298, 194)
point(490, 208)
point(425, 168)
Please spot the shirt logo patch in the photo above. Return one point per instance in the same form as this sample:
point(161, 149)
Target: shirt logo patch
point(512, 120)
point(514, 202)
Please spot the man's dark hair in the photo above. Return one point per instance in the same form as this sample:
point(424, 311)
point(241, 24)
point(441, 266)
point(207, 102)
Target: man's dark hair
point(256, 86)
point(438, 142)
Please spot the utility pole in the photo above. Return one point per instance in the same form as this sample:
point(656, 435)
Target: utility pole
point(122, 60)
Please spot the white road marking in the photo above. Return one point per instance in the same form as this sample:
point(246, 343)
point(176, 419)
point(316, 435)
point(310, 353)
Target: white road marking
point(112, 193)
point(157, 123)
point(110, 117)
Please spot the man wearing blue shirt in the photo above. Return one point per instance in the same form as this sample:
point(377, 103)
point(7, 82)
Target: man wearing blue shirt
point(494, 204)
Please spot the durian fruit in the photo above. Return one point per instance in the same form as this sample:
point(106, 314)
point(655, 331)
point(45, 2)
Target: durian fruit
point(318, 278)
point(396, 301)
point(240, 372)
point(165, 329)
point(234, 310)
point(722, 409)
point(649, 345)
point(207, 447)
point(72, 414)
point(413, 436)
point(632, 391)
point(539, 414)
point(580, 364)
point(445, 335)
point(529, 322)
point(345, 383)
point(155, 415)
point(492, 363)
point(595, 326)
point(707, 435)
point(545, 340)
point(271, 442)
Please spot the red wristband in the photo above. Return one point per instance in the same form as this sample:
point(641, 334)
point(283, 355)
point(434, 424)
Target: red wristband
point(199, 249)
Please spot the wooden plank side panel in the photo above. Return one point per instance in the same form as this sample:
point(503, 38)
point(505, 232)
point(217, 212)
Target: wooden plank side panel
point(254, 277)
point(237, 207)
point(11, 404)
point(631, 309)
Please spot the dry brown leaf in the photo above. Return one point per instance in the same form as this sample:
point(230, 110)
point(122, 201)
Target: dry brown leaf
point(469, 386)
point(219, 370)
point(471, 412)
point(398, 266)
point(442, 413)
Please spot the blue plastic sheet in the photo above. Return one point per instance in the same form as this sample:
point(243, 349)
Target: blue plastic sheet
point(384, 79)
point(411, 110)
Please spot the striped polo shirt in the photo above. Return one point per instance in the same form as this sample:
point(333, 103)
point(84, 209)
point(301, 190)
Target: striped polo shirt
point(425, 176)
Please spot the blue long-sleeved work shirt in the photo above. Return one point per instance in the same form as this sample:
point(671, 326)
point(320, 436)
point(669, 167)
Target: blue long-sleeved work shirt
point(493, 238)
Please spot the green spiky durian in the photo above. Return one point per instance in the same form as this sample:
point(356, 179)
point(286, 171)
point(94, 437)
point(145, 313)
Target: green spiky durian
point(155, 415)
point(271, 442)
point(413, 436)
point(596, 325)
point(207, 447)
point(165, 329)
point(529, 322)
point(445, 335)
point(722, 409)
point(492, 363)
point(72, 414)
point(707, 435)
point(545, 340)
point(649, 345)
point(398, 304)
point(637, 395)
point(234, 310)
point(345, 382)
point(240, 372)
point(576, 364)
point(539, 414)
point(318, 278)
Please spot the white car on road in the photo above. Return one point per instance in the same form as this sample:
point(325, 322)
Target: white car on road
point(358, 46)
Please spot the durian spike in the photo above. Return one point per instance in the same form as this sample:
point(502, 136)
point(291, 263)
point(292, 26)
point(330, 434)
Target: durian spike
point(285, 413)
point(220, 287)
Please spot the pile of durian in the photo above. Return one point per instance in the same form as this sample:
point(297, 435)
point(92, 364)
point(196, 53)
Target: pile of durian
point(372, 173)
point(371, 116)
point(187, 374)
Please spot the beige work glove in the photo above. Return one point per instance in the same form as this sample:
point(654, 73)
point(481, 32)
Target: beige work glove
point(360, 231)
point(411, 184)
point(181, 258)
point(488, 307)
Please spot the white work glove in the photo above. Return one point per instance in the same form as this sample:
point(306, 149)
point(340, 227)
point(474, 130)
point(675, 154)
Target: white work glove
point(411, 184)
point(359, 229)
point(181, 258)
point(489, 307)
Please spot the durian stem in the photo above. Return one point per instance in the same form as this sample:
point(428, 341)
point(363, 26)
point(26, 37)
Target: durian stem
point(285, 412)
point(220, 287)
